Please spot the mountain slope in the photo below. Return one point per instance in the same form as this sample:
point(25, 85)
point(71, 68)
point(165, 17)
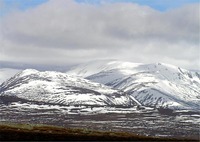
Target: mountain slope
point(6, 73)
point(59, 88)
point(155, 85)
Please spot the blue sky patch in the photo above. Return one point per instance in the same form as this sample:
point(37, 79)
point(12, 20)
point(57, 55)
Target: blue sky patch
point(7, 6)
point(160, 5)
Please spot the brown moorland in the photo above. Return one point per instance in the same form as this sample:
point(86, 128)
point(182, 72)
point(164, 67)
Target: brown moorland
point(35, 132)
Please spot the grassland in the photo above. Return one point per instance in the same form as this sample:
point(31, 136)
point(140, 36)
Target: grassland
point(27, 132)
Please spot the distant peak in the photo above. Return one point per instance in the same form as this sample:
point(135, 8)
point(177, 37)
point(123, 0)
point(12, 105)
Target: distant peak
point(166, 64)
point(28, 72)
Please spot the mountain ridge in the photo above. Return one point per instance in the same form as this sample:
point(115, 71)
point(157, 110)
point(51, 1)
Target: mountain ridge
point(55, 87)
point(154, 85)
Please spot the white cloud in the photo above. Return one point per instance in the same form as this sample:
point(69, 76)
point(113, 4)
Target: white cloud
point(62, 32)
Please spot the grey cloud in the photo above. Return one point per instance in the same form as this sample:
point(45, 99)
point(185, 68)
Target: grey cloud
point(68, 32)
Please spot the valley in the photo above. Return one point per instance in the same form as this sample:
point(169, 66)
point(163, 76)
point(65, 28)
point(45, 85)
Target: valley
point(148, 122)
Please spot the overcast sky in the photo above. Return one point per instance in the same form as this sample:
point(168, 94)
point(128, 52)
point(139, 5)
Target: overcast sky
point(62, 32)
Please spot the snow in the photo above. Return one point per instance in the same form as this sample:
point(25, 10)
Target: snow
point(152, 85)
point(28, 72)
point(87, 69)
point(157, 84)
point(60, 88)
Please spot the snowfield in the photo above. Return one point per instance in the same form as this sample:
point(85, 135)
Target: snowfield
point(155, 85)
point(60, 88)
point(107, 83)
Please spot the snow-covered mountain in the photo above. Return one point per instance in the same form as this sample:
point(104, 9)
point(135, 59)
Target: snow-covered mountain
point(6, 73)
point(155, 85)
point(60, 88)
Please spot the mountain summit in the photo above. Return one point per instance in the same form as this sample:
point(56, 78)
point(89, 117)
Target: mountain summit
point(62, 89)
point(154, 85)
point(108, 83)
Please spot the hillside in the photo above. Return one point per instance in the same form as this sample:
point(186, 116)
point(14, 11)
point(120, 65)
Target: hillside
point(61, 89)
point(154, 85)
